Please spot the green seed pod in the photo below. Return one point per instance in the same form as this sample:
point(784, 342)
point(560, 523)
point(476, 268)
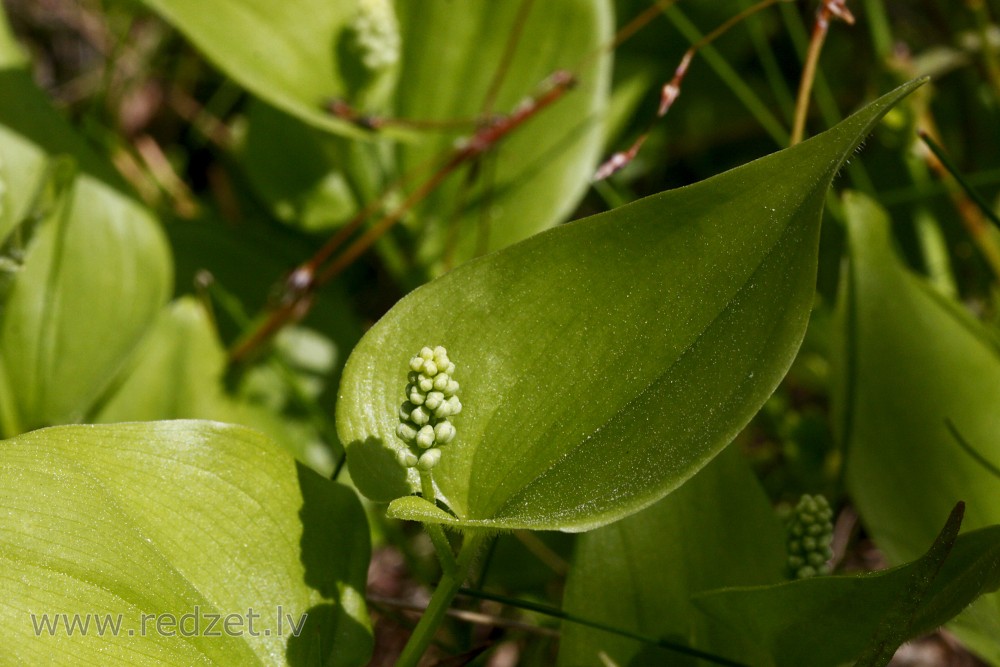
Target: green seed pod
point(429, 459)
point(425, 436)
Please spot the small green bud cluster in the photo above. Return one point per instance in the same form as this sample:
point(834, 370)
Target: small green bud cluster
point(810, 532)
point(376, 34)
point(431, 398)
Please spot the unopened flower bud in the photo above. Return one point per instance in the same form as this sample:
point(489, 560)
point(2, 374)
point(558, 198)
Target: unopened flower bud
point(431, 397)
point(425, 436)
point(429, 459)
point(810, 532)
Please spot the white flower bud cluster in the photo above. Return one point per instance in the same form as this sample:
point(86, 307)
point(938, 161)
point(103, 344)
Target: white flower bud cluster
point(810, 532)
point(376, 34)
point(431, 398)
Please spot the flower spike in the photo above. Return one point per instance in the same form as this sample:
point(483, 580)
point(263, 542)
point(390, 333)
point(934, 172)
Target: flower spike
point(431, 399)
point(810, 532)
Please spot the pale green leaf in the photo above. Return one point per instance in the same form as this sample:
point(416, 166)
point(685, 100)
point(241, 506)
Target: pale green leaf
point(94, 265)
point(177, 373)
point(287, 54)
point(177, 518)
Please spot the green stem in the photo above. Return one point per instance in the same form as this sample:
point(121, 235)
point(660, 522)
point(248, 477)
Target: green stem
point(441, 544)
point(445, 592)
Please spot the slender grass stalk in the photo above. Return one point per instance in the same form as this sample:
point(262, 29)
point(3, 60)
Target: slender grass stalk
point(744, 93)
point(772, 70)
point(878, 28)
point(991, 59)
point(572, 618)
point(972, 208)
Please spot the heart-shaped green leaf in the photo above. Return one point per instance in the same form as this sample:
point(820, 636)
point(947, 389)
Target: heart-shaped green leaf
point(911, 362)
point(173, 519)
point(93, 265)
point(827, 621)
point(639, 574)
point(604, 362)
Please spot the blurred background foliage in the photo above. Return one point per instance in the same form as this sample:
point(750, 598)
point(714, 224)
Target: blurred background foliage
point(249, 185)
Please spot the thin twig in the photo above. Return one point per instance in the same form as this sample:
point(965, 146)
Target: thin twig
point(672, 89)
point(828, 10)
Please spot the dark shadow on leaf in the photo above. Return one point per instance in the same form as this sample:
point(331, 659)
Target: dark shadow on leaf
point(347, 55)
point(375, 471)
point(335, 553)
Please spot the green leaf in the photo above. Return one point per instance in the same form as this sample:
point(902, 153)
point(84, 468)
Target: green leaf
point(287, 54)
point(535, 178)
point(829, 620)
point(529, 182)
point(177, 518)
point(604, 362)
point(298, 170)
point(95, 268)
point(639, 574)
point(177, 373)
point(911, 361)
point(894, 627)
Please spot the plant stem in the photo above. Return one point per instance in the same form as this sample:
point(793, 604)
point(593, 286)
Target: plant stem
point(829, 9)
point(441, 544)
point(445, 592)
point(808, 75)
